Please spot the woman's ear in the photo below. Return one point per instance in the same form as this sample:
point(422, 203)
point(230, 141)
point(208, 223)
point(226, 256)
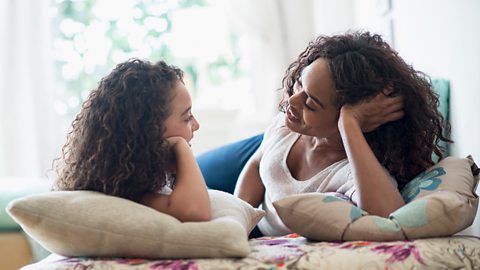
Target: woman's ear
point(388, 90)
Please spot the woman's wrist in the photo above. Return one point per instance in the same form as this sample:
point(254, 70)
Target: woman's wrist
point(346, 121)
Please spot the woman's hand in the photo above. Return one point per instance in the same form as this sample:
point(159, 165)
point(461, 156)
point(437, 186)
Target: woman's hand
point(375, 112)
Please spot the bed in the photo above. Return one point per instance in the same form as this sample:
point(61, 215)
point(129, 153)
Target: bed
point(450, 249)
point(295, 252)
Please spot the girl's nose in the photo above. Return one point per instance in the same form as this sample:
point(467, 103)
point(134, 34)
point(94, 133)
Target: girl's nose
point(195, 125)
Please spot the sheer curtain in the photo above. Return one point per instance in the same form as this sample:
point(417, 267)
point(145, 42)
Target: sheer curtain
point(271, 36)
point(276, 36)
point(26, 78)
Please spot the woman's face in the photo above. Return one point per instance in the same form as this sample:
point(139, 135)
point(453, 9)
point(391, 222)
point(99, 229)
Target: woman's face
point(312, 110)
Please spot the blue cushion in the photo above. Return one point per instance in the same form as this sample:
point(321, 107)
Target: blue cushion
point(221, 166)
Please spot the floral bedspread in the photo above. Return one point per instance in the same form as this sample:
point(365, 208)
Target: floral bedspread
point(295, 252)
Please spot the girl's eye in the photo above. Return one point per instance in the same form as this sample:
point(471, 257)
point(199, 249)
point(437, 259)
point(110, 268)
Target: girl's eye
point(189, 118)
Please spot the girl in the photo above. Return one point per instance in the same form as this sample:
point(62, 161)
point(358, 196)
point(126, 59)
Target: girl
point(131, 140)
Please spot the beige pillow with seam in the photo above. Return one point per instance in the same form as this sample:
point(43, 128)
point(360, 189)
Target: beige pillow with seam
point(87, 223)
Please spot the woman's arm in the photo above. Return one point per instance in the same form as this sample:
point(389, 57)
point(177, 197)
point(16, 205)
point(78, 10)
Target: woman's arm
point(375, 193)
point(249, 186)
point(189, 199)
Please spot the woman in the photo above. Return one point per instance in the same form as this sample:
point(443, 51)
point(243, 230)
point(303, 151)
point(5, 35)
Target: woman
point(356, 120)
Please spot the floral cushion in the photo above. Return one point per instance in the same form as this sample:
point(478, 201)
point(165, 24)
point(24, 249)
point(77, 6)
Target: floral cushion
point(439, 202)
point(453, 174)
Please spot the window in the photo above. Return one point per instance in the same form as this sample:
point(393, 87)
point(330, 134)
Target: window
point(93, 36)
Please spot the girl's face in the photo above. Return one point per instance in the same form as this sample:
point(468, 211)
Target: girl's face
point(181, 121)
point(311, 109)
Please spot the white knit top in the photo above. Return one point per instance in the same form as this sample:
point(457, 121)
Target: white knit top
point(279, 182)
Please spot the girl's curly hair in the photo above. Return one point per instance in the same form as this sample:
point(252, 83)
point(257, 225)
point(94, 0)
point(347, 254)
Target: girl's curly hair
point(362, 65)
point(116, 144)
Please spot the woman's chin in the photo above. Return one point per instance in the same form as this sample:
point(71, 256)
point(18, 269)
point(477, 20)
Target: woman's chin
point(293, 126)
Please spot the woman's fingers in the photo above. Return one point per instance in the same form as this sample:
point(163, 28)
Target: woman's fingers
point(394, 116)
point(378, 111)
point(394, 106)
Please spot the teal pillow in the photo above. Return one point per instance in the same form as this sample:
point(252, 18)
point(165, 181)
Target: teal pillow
point(442, 88)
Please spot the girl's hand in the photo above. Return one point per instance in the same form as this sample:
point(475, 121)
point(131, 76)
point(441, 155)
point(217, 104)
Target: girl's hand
point(178, 146)
point(189, 199)
point(175, 140)
point(375, 112)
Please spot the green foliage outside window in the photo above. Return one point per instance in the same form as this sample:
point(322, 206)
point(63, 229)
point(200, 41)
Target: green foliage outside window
point(92, 36)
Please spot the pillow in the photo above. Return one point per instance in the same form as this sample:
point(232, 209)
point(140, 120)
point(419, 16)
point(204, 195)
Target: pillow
point(439, 202)
point(224, 204)
point(13, 188)
point(454, 174)
point(87, 223)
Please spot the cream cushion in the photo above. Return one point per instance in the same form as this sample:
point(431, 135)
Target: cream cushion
point(87, 223)
point(439, 202)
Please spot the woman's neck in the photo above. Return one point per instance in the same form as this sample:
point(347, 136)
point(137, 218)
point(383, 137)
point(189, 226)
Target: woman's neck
point(331, 144)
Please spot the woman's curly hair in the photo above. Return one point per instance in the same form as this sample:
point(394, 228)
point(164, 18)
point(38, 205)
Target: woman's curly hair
point(116, 144)
point(363, 65)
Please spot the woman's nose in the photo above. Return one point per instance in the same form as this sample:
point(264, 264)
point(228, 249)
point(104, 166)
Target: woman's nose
point(296, 100)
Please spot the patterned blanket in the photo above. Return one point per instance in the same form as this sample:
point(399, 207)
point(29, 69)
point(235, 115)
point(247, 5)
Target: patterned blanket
point(295, 252)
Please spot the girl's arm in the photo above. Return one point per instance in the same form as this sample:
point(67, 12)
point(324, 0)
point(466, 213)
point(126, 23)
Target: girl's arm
point(249, 186)
point(375, 193)
point(189, 199)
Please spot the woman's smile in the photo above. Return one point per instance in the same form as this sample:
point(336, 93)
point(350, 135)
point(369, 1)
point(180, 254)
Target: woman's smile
point(291, 117)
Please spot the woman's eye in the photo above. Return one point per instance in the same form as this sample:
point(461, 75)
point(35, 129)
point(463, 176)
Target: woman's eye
point(308, 106)
point(297, 87)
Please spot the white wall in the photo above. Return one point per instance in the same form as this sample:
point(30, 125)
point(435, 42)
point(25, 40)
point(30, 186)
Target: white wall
point(332, 17)
point(442, 38)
